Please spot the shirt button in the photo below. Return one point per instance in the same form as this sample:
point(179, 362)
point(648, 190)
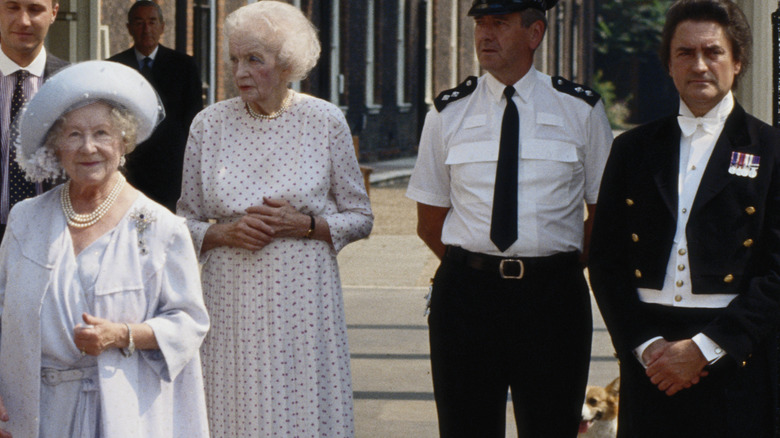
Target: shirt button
point(635, 237)
point(679, 283)
point(685, 210)
point(718, 350)
point(748, 243)
point(680, 267)
point(678, 298)
point(682, 251)
point(693, 167)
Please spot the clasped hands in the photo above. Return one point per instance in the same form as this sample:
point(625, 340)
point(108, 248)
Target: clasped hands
point(97, 336)
point(262, 223)
point(674, 366)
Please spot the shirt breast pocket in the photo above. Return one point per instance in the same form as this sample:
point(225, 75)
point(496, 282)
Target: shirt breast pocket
point(473, 170)
point(550, 170)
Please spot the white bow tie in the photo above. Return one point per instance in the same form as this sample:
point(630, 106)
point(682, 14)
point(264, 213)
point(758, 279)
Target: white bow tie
point(689, 124)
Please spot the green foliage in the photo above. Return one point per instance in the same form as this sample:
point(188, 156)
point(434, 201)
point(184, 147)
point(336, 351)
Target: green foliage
point(626, 40)
point(630, 27)
point(617, 110)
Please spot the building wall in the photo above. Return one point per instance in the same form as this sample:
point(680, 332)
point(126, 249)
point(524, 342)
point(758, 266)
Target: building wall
point(114, 14)
point(386, 105)
point(755, 88)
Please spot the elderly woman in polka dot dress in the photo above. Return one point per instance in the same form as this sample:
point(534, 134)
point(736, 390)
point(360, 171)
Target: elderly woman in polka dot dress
point(272, 191)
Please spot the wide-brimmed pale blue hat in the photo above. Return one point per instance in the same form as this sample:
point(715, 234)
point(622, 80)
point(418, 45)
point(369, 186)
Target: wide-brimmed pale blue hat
point(75, 86)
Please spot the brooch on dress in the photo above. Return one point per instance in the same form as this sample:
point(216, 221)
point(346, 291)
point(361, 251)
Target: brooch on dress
point(743, 164)
point(143, 218)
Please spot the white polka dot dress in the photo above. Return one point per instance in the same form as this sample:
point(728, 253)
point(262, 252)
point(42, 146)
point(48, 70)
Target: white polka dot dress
point(276, 360)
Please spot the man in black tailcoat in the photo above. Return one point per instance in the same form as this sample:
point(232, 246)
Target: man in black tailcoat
point(155, 165)
point(685, 252)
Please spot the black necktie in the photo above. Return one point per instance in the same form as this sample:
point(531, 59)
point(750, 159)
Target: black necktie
point(146, 70)
point(18, 187)
point(503, 225)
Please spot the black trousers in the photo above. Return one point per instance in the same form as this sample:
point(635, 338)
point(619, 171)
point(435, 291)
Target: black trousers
point(731, 402)
point(489, 335)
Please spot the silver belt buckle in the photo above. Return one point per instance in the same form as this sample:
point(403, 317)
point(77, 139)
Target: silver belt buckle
point(520, 265)
point(51, 377)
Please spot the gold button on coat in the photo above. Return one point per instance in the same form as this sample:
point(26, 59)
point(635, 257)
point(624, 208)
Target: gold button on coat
point(638, 273)
point(748, 243)
point(728, 279)
point(629, 202)
point(750, 210)
point(635, 237)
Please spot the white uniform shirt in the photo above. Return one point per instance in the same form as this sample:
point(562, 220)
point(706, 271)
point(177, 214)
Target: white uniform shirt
point(695, 152)
point(564, 144)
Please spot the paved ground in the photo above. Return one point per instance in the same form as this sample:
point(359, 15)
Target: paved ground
point(385, 278)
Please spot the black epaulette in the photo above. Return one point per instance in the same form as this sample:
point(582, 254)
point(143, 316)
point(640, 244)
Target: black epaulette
point(464, 89)
point(566, 86)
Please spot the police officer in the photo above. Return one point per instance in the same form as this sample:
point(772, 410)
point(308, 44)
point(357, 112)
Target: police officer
point(505, 162)
point(685, 260)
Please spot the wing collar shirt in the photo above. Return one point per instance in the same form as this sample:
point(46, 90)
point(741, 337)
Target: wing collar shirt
point(695, 151)
point(564, 143)
point(8, 69)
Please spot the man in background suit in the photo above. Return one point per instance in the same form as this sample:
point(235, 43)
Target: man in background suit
point(685, 252)
point(24, 65)
point(155, 166)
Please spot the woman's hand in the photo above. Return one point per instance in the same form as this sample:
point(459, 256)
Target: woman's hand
point(249, 232)
point(98, 335)
point(4, 418)
point(284, 220)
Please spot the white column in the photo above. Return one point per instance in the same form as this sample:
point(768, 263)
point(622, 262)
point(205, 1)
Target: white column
point(755, 87)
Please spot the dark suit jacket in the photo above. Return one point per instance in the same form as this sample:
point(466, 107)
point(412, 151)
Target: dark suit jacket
point(733, 233)
point(52, 65)
point(155, 165)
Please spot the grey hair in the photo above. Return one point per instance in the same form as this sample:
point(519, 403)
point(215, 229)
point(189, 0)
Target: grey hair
point(282, 29)
point(121, 118)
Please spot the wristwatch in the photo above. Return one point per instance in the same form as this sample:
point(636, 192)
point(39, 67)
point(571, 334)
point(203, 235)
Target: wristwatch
point(127, 352)
point(310, 231)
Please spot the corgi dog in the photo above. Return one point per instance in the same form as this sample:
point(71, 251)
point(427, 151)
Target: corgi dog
point(600, 411)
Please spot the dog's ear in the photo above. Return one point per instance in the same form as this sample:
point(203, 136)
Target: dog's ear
point(614, 387)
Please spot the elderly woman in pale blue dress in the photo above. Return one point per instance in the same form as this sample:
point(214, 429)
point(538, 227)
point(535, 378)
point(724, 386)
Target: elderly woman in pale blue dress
point(272, 191)
point(101, 310)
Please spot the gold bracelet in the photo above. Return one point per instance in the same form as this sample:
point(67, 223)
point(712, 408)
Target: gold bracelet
point(310, 232)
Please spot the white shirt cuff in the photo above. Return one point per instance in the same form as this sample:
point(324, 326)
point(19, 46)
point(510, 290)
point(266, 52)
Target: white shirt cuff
point(711, 351)
point(640, 350)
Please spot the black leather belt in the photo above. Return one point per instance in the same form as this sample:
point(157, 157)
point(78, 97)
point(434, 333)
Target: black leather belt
point(510, 267)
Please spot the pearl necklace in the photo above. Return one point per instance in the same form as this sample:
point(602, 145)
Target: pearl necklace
point(285, 105)
point(88, 219)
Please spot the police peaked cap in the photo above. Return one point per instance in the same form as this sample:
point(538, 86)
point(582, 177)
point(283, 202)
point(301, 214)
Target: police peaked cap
point(498, 7)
